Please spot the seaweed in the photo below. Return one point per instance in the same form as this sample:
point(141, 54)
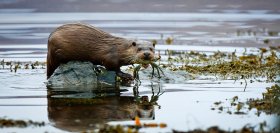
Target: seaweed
point(261, 127)
point(15, 66)
point(245, 129)
point(270, 103)
point(6, 123)
point(228, 66)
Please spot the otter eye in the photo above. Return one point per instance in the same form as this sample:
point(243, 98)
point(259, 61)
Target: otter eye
point(133, 43)
point(139, 49)
point(151, 49)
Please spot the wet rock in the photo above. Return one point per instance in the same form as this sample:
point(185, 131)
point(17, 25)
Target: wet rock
point(168, 76)
point(85, 74)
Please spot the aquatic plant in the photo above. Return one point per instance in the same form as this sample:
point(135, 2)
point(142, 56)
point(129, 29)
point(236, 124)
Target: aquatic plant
point(3, 63)
point(128, 128)
point(154, 41)
point(266, 41)
point(245, 129)
point(270, 103)
point(115, 129)
point(261, 127)
point(14, 66)
point(169, 40)
point(5, 123)
point(265, 64)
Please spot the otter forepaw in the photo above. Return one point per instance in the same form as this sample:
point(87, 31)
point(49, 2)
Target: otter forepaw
point(125, 76)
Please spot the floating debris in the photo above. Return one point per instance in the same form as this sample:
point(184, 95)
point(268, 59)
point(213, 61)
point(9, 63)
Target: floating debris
point(137, 121)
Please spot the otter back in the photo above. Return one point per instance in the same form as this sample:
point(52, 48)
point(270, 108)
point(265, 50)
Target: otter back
point(82, 42)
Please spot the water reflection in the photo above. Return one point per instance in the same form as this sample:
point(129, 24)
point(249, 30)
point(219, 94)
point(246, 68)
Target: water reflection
point(277, 121)
point(72, 113)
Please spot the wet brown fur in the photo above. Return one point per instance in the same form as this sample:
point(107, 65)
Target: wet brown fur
point(84, 42)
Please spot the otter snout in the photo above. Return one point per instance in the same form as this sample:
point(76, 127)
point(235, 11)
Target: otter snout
point(145, 51)
point(147, 56)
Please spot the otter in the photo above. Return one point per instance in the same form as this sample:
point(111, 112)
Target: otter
point(84, 42)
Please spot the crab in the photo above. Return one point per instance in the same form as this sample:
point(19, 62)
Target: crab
point(145, 64)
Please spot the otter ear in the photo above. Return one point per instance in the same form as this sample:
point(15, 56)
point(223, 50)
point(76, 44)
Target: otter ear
point(154, 44)
point(133, 43)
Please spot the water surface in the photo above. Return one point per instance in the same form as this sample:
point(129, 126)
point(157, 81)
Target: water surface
point(184, 105)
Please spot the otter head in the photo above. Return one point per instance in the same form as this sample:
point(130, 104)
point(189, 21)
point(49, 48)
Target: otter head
point(144, 50)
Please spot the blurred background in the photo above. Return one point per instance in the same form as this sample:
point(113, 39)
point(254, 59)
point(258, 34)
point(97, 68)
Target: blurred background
point(26, 24)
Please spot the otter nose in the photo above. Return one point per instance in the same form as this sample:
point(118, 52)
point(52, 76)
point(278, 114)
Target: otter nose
point(147, 55)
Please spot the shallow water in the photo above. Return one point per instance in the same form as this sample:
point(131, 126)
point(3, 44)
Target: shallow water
point(184, 105)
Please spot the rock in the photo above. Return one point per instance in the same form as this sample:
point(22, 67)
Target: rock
point(175, 77)
point(81, 74)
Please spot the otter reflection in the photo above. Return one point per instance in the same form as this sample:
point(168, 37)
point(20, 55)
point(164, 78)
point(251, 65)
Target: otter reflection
point(79, 114)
